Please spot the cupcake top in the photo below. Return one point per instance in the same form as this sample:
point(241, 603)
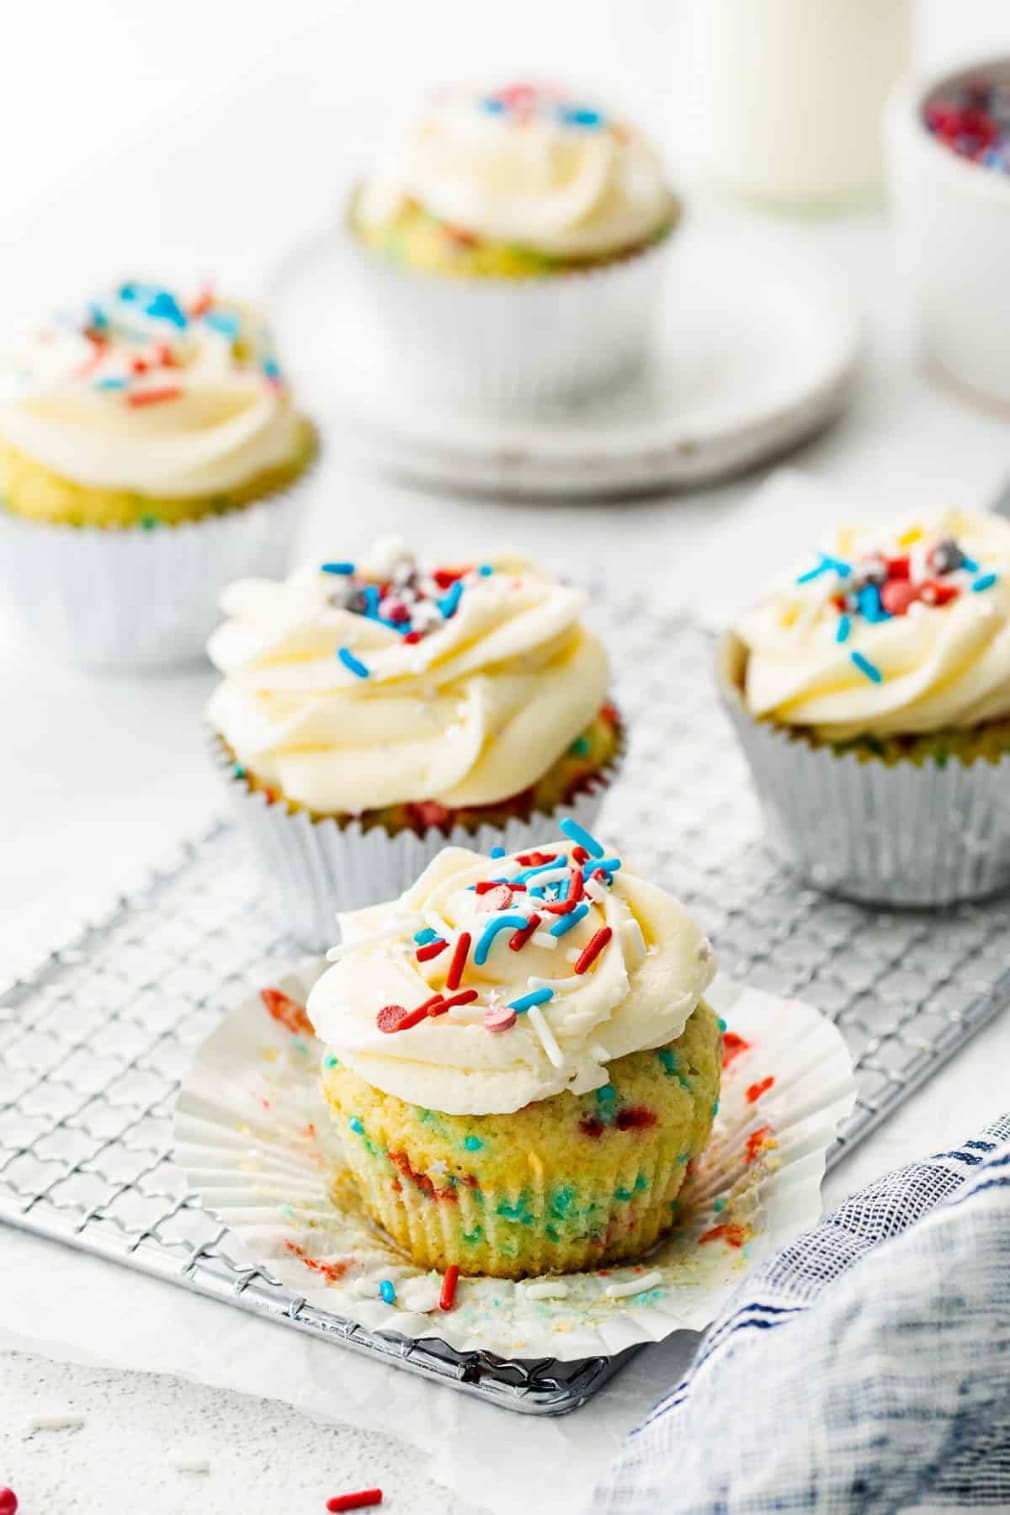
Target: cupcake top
point(144, 390)
point(528, 165)
point(495, 982)
point(888, 631)
point(357, 686)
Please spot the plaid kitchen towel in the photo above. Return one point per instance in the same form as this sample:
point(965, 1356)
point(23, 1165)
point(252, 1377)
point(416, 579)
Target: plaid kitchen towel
point(864, 1368)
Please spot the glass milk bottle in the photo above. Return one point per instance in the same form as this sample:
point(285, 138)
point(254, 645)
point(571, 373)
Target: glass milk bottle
point(791, 94)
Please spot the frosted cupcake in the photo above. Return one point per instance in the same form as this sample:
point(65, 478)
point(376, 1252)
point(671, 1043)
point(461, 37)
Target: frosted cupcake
point(148, 449)
point(520, 1060)
point(369, 712)
point(515, 242)
point(871, 693)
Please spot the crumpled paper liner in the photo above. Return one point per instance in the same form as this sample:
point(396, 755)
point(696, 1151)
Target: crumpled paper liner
point(904, 833)
point(135, 598)
point(254, 1136)
point(316, 868)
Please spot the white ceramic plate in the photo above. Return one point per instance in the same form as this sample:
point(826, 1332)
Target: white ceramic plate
point(755, 348)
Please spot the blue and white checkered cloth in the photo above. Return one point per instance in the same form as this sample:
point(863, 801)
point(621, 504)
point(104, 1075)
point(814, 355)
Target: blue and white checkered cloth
point(864, 1368)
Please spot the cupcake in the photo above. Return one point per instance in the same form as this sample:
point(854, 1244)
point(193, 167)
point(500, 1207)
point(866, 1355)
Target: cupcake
point(871, 694)
point(148, 452)
point(370, 712)
point(519, 1059)
point(514, 245)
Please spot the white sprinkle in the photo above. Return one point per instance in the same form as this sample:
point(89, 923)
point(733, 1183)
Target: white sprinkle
point(189, 1462)
point(546, 1288)
point(559, 985)
point(65, 1422)
point(466, 1015)
point(634, 1285)
point(544, 939)
point(596, 890)
point(546, 1035)
point(402, 924)
point(421, 1295)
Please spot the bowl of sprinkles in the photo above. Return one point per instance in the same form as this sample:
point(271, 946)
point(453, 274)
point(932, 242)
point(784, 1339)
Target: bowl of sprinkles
point(512, 245)
point(371, 711)
point(150, 450)
point(949, 157)
point(870, 692)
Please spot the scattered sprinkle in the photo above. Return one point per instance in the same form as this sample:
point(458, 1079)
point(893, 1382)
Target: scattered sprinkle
point(527, 1001)
point(844, 628)
point(388, 1291)
point(864, 665)
point(581, 837)
point(447, 1298)
point(986, 581)
point(343, 569)
point(353, 664)
point(547, 1038)
point(634, 1285)
point(362, 1500)
point(564, 923)
point(546, 1288)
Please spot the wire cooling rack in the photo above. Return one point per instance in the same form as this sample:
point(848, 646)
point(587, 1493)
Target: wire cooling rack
point(94, 1043)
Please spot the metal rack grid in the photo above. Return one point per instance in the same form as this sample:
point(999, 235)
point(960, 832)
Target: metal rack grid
point(94, 1043)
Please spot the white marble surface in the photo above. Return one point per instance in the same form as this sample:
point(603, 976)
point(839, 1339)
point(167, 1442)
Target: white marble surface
point(97, 775)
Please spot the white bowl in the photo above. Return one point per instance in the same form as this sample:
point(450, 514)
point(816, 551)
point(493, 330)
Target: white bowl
point(952, 223)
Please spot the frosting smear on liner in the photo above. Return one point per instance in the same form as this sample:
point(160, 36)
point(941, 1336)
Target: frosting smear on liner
point(356, 686)
point(494, 983)
point(888, 632)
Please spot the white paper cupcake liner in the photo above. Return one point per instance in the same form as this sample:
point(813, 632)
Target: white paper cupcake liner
point(903, 834)
point(255, 1138)
point(136, 598)
point(315, 868)
point(506, 344)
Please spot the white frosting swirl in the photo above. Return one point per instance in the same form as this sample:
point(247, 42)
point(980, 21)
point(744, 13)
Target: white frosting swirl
point(473, 712)
point(638, 993)
point(938, 665)
point(526, 166)
point(140, 393)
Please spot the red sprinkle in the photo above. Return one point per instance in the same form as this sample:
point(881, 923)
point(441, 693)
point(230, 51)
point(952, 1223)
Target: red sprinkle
point(580, 855)
point(897, 595)
point(519, 938)
point(933, 593)
point(8, 1502)
point(139, 397)
point(755, 1091)
point(429, 950)
point(202, 303)
point(360, 1501)
point(592, 949)
point(757, 1142)
point(459, 956)
point(391, 1017)
point(288, 1012)
point(732, 1046)
point(447, 1298)
point(446, 577)
point(733, 1234)
point(464, 997)
point(575, 888)
point(637, 1118)
point(487, 885)
point(559, 907)
point(332, 1272)
point(535, 859)
point(411, 637)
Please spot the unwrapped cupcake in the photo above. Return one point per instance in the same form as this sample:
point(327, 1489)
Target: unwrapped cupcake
point(514, 244)
point(871, 694)
point(371, 711)
point(519, 1059)
point(149, 453)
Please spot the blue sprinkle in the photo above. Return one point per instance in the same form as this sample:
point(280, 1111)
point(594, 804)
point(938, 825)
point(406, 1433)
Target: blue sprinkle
point(427, 935)
point(97, 317)
point(606, 1094)
point(580, 115)
point(564, 923)
point(370, 594)
point(492, 106)
point(864, 665)
point(352, 663)
point(844, 627)
point(968, 564)
point(497, 851)
point(223, 321)
point(485, 570)
point(111, 384)
point(824, 566)
point(525, 873)
point(513, 922)
point(355, 1125)
point(387, 1291)
point(472, 1143)
point(344, 569)
point(164, 307)
point(722, 1025)
point(719, 1203)
point(527, 1001)
point(607, 864)
point(870, 606)
point(985, 582)
point(715, 1107)
point(271, 368)
point(449, 603)
point(582, 838)
point(329, 1061)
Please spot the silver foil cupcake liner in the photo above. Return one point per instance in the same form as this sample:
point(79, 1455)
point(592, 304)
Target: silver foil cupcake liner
point(315, 868)
point(508, 344)
point(904, 833)
point(135, 598)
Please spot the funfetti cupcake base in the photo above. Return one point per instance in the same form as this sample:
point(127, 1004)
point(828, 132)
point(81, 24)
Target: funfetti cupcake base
point(253, 1133)
point(372, 712)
